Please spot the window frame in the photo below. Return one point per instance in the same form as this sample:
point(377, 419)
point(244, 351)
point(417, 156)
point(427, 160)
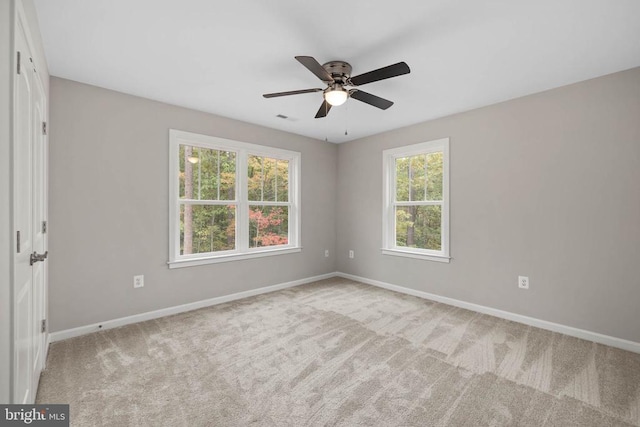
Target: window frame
point(242, 151)
point(389, 246)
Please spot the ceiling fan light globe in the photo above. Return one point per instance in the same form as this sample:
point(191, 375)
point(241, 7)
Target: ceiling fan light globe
point(336, 97)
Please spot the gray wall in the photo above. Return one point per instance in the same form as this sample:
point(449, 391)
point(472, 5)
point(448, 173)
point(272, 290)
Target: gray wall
point(109, 207)
point(546, 186)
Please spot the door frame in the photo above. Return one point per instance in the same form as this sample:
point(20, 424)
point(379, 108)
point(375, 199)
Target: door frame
point(7, 56)
point(23, 19)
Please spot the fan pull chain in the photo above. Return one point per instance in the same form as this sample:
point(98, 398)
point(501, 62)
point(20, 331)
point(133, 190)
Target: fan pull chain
point(326, 126)
point(346, 120)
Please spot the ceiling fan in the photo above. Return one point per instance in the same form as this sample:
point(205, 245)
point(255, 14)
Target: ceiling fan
point(340, 84)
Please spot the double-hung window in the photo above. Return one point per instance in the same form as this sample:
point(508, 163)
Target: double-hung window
point(230, 200)
point(416, 201)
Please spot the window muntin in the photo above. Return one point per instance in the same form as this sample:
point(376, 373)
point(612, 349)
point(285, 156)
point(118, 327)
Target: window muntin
point(231, 200)
point(416, 205)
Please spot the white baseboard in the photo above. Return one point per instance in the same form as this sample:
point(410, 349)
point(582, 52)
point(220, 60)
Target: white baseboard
point(114, 323)
point(542, 324)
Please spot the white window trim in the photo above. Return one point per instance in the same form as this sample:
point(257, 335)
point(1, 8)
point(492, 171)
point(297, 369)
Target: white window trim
point(389, 157)
point(242, 150)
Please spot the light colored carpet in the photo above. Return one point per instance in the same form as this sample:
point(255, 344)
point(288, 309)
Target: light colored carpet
point(342, 353)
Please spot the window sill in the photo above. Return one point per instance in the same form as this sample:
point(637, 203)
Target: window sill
point(231, 257)
point(408, 254)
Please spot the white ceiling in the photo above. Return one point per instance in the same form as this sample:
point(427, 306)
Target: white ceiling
point(221, 56)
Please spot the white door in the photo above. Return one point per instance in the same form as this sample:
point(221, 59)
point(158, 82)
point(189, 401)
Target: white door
point(29, 210)
point(23, 220)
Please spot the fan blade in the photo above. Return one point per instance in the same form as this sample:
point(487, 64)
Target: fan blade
point(380, 74)
point(324, 110)
point(367, 98)
point(293, 92)
point(315, 67)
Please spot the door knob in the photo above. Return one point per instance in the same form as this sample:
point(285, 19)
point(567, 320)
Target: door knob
point(35, 257)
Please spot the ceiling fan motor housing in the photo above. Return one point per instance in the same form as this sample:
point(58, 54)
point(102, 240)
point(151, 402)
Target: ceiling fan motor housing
point(339, 70)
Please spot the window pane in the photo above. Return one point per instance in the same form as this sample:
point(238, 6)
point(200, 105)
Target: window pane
point(181, 174)
point(402, 179)
point(268, 226)
point(207, 174)
point(254, 173)
point(434, 176)
point(418, 177)
point(282, 181)
point(207, 228)
point(419, 227)
point(268, 179)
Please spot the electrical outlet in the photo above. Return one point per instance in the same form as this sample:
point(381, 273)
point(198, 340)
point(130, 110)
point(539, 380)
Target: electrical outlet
point(326, 253)
point(351, 254)
point(138, 281)
point(523, 282)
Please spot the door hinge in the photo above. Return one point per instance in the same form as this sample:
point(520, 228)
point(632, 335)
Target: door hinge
point(18, 241)
point(44, 128)
point(44, 227)
point(43, 326)
point(18, 62)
